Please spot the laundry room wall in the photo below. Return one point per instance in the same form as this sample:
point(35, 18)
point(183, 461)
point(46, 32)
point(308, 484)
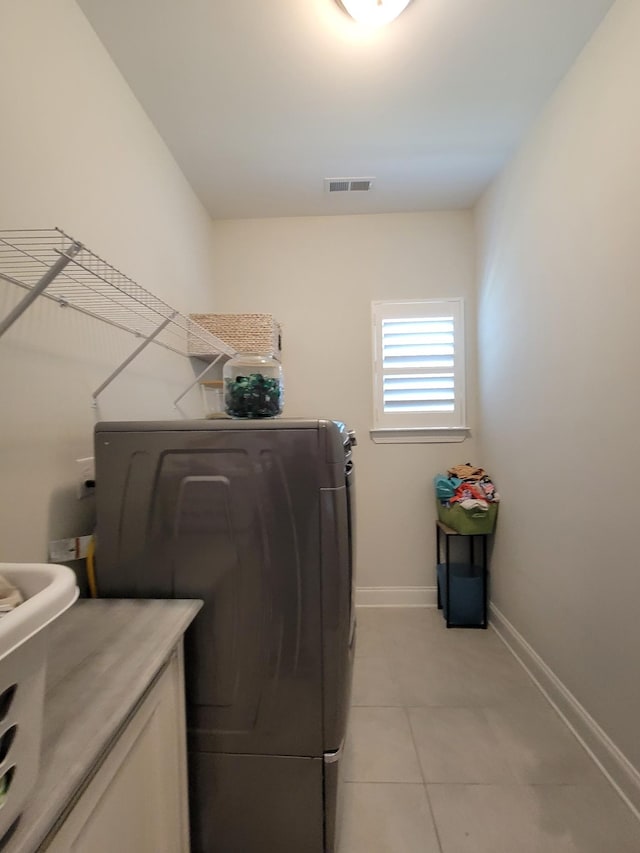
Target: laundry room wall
point(318, 276)
point(559, 355)
point(77, 151)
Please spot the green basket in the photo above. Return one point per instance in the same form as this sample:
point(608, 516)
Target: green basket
point(468, 521)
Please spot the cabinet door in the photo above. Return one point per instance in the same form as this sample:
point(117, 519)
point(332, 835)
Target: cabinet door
point(137, 801)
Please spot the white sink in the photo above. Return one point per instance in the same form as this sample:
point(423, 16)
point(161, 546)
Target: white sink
point(48, 591)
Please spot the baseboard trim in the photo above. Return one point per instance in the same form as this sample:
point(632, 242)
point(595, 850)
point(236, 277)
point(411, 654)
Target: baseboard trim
point(613, 763)
point(396, 596)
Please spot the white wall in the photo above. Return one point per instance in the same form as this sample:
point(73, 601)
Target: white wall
point(559, 347)
point(318, 276)
point(77, 151)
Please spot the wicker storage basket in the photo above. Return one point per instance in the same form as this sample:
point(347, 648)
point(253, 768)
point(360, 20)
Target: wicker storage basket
point(254, 333)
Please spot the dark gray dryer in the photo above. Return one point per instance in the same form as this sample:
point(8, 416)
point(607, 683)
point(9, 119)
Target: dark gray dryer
point(256, 519)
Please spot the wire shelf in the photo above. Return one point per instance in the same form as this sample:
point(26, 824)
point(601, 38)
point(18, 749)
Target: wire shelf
point(91, 285)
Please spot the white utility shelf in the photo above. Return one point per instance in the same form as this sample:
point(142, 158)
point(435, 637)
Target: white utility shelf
point(50, 263)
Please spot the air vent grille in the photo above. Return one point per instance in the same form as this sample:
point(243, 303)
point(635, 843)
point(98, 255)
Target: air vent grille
point(348, 185)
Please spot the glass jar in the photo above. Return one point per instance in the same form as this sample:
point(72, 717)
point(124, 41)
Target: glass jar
point(253, 386)
point(212, 397)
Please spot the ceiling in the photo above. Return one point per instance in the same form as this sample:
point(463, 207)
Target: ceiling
point(261, 100)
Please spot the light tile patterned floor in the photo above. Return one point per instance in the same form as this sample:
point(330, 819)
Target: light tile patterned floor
point(452, 749)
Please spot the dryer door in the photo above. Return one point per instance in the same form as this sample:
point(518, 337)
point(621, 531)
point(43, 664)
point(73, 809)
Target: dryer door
point(338, 640)
point(230, 517)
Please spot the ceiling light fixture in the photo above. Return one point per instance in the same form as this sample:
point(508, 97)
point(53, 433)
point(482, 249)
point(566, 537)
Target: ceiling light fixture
point(374, 13)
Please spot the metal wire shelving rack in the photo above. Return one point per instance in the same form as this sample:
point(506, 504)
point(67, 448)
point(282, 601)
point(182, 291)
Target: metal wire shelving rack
point(50, 263)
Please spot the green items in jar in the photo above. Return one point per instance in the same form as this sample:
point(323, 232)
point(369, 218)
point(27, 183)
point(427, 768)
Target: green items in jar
point(253, 396)
point(253, 386)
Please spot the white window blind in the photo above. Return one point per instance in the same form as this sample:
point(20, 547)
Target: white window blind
point(419, 364)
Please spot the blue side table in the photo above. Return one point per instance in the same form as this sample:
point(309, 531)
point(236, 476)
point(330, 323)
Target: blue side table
point(463, 585)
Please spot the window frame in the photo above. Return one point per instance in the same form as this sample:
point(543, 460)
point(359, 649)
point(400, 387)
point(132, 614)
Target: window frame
point(419, 426)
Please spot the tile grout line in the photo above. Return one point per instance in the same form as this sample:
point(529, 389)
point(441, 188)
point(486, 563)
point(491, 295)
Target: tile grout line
point(380, 782)
point(424, 781)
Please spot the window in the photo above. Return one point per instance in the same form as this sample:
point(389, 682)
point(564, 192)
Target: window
point(419, 368)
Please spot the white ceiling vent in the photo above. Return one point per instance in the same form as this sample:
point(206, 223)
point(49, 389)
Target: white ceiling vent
point(348, 185)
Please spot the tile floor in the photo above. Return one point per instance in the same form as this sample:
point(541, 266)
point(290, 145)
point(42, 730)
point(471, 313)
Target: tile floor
point(453, 749)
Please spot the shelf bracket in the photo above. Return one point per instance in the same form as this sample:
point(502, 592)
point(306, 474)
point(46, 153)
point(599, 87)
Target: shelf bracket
point(40, 287)
point(130, 358)
point(197, 379)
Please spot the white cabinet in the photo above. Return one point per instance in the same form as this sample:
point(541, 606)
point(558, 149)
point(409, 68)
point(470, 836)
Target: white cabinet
point(137, 800)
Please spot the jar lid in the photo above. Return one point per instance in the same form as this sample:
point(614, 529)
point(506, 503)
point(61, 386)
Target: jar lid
point(252, 357)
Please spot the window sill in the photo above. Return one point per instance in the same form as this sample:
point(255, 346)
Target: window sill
point(419, 435)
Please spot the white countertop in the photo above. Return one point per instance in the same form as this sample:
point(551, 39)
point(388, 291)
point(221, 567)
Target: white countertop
point(103, 657)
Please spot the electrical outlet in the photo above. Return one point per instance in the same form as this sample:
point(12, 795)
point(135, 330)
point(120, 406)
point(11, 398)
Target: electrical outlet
point(86, 477)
